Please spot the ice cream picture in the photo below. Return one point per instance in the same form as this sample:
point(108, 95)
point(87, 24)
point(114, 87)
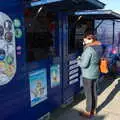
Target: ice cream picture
point(7, 49)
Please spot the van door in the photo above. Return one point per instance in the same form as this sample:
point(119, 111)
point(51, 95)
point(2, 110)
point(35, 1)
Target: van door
point(74, 28)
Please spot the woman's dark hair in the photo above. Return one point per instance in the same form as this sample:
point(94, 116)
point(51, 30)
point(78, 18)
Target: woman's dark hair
point(90, 36)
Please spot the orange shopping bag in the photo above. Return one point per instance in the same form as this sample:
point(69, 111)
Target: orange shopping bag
point(104, 65)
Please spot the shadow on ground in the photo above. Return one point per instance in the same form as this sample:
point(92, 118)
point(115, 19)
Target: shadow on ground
point(110, 97)
point(74, 115)
point(68, 113)
point(105, 82)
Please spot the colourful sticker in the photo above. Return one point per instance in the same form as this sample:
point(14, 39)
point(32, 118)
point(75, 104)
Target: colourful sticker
point(55, 75)
point(38, 86)
point(3, 78)
point(8, 25)
point(10, 48)
point(2, 54)
point(19, 48)
point(17, 23)
point(1, 31)
point(18, 33)
point(7, 49)
point(2, 66)
point(10, 59)
point(18, 53)
point(8, 36)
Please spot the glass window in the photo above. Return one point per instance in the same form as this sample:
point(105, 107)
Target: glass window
point(77, 29)
point(40, 34)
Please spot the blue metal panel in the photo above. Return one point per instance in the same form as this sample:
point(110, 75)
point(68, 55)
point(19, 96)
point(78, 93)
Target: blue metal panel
point(71, 81)
point(40, 109)
point(99, 14)
point(72, 5)
point(42, 2)
point(13, 98)
point(54, 91)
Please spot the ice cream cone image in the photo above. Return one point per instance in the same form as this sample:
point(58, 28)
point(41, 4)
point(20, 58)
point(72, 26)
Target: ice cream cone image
point(54, 76)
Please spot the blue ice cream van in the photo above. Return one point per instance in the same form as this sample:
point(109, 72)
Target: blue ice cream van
point(38, 50)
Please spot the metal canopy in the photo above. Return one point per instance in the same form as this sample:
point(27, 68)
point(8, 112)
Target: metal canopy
point(70, 5)
point(99, 14)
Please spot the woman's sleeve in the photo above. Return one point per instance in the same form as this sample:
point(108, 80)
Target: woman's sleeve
point(84, 60)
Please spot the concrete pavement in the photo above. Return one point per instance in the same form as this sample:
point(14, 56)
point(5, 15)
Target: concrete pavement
point(108, 104)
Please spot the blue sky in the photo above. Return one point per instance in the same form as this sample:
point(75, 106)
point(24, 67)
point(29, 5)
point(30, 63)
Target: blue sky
point(112, 4)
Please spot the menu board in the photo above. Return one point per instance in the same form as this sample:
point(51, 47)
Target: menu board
point(7, 49)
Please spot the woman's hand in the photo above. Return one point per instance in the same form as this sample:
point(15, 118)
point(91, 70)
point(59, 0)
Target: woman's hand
point(78, 58)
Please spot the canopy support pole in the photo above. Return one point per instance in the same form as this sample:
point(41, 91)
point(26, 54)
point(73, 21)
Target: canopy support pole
point(113, 39)
point(95, 30)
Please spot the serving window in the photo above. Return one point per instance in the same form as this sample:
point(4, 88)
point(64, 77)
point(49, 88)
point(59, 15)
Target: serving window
point(78, 27)
point(40, 34)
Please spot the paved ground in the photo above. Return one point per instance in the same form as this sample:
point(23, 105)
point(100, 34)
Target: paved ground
point(108, 104)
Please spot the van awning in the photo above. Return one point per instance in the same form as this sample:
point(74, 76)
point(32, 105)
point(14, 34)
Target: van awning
point(98, 14)
point(69, 4)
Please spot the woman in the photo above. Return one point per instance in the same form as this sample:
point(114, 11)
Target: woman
point(89, 63)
